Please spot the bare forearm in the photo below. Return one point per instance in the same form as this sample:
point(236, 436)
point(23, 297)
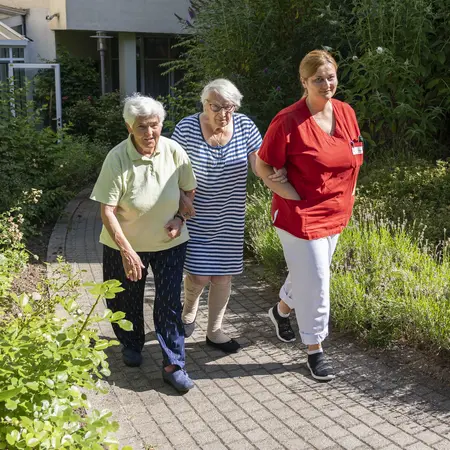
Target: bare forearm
point(113, 227)
point(185, 206)
point(285, 190)
point(252, 160)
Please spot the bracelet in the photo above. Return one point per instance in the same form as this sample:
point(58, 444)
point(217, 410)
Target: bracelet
point(179, 217)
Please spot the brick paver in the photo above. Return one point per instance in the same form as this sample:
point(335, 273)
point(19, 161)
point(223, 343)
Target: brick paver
point(262, 397)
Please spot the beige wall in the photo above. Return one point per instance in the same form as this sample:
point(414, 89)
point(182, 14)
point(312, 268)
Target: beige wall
point(42, 46)
point(26, 4)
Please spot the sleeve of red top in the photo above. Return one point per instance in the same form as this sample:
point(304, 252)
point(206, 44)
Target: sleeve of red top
point(273, 148)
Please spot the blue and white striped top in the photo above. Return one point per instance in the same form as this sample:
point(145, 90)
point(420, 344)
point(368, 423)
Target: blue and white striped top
point(217, 231)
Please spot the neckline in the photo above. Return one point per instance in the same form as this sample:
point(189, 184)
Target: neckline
point(220, 147)
point(336, 121)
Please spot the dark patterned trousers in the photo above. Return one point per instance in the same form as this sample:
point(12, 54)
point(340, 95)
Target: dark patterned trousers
point(167, 268)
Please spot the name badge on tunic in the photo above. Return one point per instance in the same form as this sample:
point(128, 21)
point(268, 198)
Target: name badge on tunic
point(358, 149)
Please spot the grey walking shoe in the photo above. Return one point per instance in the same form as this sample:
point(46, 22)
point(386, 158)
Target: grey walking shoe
point(189, 329)
point(179, 380)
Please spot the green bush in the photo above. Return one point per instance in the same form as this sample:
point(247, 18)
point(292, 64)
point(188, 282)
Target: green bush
point(50, 167)
point(395, 72)
point(393, 60)
point(47, 359)
point(100, 119)
point(257, 44)
point(80, 79)
point(414, 189)
point(388, 284)
point(13, 256)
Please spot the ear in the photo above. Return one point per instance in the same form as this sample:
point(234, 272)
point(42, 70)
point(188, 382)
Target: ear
point(130, 130)
point(302, 80)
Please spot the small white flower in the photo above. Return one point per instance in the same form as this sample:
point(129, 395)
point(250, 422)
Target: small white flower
point(380, 50)
point(328, 49)
point(354, 58)
point(36, 296)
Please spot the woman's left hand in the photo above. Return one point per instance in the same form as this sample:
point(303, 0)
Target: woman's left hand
point(174, 227)
point(279, 175)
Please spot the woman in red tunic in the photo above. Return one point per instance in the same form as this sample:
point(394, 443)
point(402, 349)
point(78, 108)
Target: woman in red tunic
point(318, 141)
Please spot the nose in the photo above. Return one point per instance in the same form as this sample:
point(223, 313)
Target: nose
point(149, 131)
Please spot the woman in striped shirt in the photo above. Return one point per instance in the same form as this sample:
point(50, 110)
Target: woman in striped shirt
point(220, 143)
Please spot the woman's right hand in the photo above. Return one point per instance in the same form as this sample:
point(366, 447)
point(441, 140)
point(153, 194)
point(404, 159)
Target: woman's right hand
point(132, 264)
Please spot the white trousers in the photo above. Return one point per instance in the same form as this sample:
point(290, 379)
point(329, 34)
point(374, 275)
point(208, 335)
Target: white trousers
point(307, 286)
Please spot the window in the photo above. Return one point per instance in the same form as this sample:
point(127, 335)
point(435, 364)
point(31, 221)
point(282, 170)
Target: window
point(9, 55)
point(151, 52)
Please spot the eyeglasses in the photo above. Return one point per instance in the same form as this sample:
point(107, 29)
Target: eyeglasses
point(218, 108)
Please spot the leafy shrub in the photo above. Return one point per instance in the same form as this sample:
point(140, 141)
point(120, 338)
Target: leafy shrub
point(257, 44)
point(80, 78)
point(46, 360)
point(414, 189)
point(393, 60)
point(55, 165)
point(13, 256)
point(388, 284)
point(395, 73)
point(100, 119)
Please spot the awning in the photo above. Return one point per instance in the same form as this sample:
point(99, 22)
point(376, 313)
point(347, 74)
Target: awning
point(10, 38)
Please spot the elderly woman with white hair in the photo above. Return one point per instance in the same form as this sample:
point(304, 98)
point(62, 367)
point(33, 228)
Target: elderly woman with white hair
point(139, 191)
point(220, 144)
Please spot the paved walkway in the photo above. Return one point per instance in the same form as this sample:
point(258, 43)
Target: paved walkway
point(263, 397)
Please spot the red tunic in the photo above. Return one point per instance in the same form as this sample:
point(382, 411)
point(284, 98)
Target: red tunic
point(323, 169)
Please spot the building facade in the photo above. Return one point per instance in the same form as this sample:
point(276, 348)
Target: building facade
point(140, 33)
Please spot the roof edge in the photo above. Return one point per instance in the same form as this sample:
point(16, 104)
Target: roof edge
point(13, 11)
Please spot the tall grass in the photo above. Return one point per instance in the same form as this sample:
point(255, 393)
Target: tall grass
point(388, 285)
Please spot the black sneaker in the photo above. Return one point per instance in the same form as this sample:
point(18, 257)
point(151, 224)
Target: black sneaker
point(283, 327)
point(320, 368)
point(131, 358)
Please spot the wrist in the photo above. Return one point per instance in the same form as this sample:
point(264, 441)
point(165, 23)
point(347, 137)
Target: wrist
point(179, 216)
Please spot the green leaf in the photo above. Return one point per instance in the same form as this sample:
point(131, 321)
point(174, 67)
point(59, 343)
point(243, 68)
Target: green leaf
point(11, 404)
point(5, 395)
point(23, 300)
point(433, 83)
point(102, 345)
point(13, 437)
point(31, 440)
point(33, 385)
point(117, 316)
point(26, 421)
point(125, 325)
